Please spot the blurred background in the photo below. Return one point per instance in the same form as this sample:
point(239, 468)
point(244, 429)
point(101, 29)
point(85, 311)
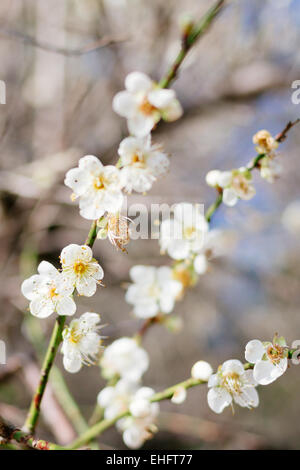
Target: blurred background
point(62, 62)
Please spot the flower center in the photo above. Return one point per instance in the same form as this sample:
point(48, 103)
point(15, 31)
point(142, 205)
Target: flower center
point(75, 337)
point(80, 268)
point(99, 182)
point(275, 353)
point(154, 291)
point(146, 107)
point(183, 276)
point(232, 383)
point(53, 292)
point(189, 232)
point(138, 160)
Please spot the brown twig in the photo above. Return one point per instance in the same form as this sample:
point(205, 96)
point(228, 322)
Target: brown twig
point(283, 134)
point(26, 39)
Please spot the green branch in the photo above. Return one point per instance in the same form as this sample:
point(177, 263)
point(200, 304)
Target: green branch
point(34, 409)
point(189, 40)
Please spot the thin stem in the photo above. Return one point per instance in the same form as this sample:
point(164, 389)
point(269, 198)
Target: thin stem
point(189, 40)
point(212, 209)
point(34, 409)
point(92, 234)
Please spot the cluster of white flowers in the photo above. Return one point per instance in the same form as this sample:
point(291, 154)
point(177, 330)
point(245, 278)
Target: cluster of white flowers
point(126, 396)
point(99, 187)
point(125, 361)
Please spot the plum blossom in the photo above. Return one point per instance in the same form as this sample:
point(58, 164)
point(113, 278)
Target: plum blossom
point(140, 426)
point(80, 269)
point(48, 292)
point(81, 342)
point(184, 234)
point(236, 184)
point(264, 142)
point(144, 103)
point(270, 169)
point(270, 359)
point(116, 399)
point(216, 243)
point(124, 358)
point(153, 290)
point(97, 186)
point(142, 163)
point(232, 384)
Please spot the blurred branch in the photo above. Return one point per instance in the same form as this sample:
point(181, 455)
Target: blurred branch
point(189, 39)
point(26, 39)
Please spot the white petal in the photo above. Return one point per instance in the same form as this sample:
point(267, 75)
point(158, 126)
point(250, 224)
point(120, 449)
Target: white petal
point(143, 274)
point(124, 104)
point(179, 249)
point(90, 163)
point(172, 112)
point(70, 254)
point(112, 201)
point(66, 306)
point(254, 351)
point(30, 286)
point(41, 307)
point(86, 286)
point(141, 125)
point(212, 178)
point(106, 396)
point(146, 309)
point(166, 303)
point(78, 180)
point(47, 269)
point(90, 207)
point(98, 273)
point(224, 179)
point(200, 264)
point(229, 197)
point(72, 363)
point(159, 163)
point(161, 98)
point(265, 372)
point(233, 365)
point(128, 147)
point(218, 398)
point(133, 438)
point(138, 82)
point(248, 398)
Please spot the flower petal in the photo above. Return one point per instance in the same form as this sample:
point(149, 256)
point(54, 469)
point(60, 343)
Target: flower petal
point(72, 362)
point(218, 398)
point(161, 98)
point(136, 82)
point(86, 286)
point(41, 307)
point(254, 351)
point(124, 104)
point(66, 306)
point(141, 125)
point(229, 197)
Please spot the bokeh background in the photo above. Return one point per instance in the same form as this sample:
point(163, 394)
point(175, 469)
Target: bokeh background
point(237, 80)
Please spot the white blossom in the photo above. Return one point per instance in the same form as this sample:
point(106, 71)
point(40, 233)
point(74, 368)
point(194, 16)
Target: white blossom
point(116, 399)
point(270, 359)
point(139, 427)
point(48, 292)
point(81, 342)
point(201, 370)
point(142, 163)
point(264, 142)
point(270, 169)
point(184, 234)
point(80, 269)
point(144, 103)
point(215, 243)
point(97, 186)
point(232, 384)
point(124, 358)
point(153, 290)
point(236, 184)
